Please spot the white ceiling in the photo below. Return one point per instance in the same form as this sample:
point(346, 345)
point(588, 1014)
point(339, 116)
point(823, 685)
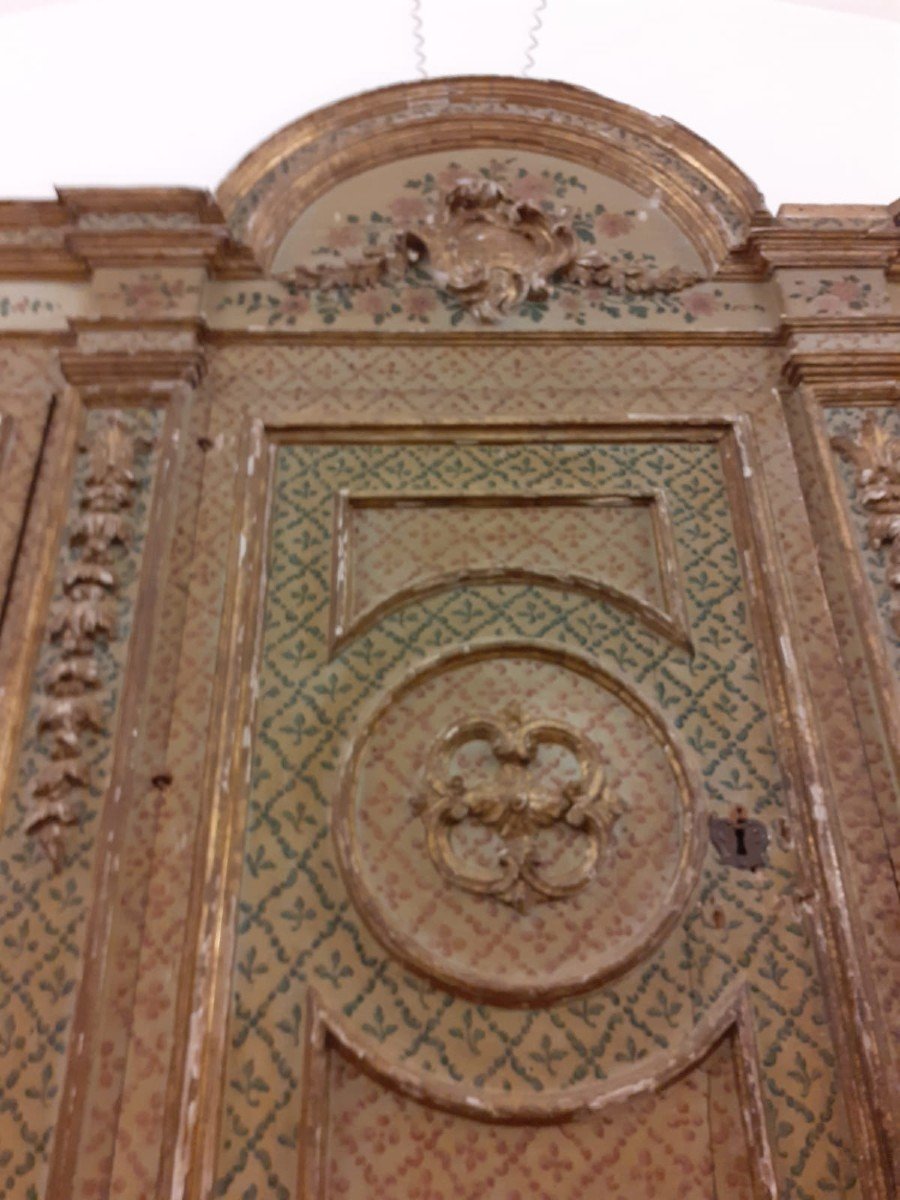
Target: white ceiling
point(804, 95)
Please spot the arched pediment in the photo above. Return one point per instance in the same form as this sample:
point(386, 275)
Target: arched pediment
point(706, 198)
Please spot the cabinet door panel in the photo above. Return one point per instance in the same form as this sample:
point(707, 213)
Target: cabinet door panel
point(515, 850)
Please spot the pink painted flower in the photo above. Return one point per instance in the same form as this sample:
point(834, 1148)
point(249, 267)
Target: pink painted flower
point(827, 305)
point(847, 290)
point(700, 304)
point(294, 305)
point(530, 187)
point(149, 1117)
point(145, 291)
point(344, 237)
point(154, 1001)
point(418, 302)
point(615, 225)
point(376, 302)
point(408, 208)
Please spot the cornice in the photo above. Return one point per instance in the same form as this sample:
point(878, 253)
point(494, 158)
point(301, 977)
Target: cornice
point(781, 246)
point(812, 236)
point(493, 337)
point(80, 202)
point(148, 371)
point(107, 323)
point(845, 369)
point(85, 229)
point(864, 323)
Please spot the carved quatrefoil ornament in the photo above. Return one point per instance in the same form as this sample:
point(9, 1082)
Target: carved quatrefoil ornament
point(517, 806)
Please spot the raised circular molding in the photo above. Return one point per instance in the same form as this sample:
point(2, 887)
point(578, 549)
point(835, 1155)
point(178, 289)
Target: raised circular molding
point(709, 198)
point(518, 854)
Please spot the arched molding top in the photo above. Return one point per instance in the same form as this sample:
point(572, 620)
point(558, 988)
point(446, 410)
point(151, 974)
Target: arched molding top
point(703, 192)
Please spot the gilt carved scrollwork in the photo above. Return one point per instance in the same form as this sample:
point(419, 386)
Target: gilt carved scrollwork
point(492, 253)
point(517, 806)
point(876, 456)
point(71, 710)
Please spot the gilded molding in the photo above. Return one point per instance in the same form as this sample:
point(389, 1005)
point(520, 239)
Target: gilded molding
point(157, 368)
point(123, 357)
point(71, 711)
point(840, 367)
point(783, 245)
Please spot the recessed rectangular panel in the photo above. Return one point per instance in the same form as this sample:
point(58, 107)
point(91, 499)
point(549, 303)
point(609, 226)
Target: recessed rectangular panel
point(385, 1146)
point(392, 548)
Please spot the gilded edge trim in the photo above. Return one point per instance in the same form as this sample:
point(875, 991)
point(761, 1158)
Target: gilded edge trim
point(731, 1016)
point(195, 1085)
point(670, 621)
point(887, 686)
point(807, 403)
point(692, 336)
point(7, 545)
point(46, 520)
point(832, 923)
point(193, 1124)
point(639, 945)
point(93, 994)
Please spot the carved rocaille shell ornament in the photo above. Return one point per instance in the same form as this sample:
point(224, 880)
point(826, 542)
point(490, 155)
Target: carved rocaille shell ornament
point(492, 253)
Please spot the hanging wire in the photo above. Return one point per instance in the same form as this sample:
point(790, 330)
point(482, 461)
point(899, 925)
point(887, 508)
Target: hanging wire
point(418, 39)
point(537, 25)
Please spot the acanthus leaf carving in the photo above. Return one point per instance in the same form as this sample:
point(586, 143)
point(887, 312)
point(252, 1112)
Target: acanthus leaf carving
point(72, 676)
point(492, 253)
point(46, 824)
point(94, 529)
point(66, 718)
point(875, 454)
point(517, 807)
point(86, 575)
point(59, 776)
point(71, 711)
point(78, 621)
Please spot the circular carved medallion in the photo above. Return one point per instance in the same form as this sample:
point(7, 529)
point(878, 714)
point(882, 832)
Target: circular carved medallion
point(517, 824)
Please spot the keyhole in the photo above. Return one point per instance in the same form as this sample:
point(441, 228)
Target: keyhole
point(740, 844)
